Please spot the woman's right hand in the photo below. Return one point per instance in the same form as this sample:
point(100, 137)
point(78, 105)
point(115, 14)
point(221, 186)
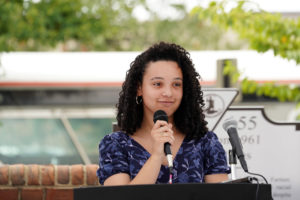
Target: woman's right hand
point(161, 133)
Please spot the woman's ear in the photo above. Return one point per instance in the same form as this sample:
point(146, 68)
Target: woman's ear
point(139, 91)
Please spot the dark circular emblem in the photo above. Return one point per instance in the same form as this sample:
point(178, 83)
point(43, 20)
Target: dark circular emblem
point(213, 105)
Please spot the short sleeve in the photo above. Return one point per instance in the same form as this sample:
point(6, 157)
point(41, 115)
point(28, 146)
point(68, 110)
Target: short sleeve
point(215, 161)
point(112, 157)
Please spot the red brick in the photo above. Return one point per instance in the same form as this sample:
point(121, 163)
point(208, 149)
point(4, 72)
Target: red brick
point(32, 194)
point(47, 173)
point(91, 176)
point(59, 194)
point(63, 174)
point(4, 175)
point(33, 175)
point(77, 174)
point(9, 194)
point(17, 174)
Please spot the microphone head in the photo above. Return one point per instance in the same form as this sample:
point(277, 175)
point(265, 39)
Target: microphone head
point(229, 123)
point(160, 115)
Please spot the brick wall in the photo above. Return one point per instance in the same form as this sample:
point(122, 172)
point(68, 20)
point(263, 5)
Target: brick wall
point(44, 182)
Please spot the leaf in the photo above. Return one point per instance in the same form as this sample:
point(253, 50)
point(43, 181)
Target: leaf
point(252, 87)
point(260, 91)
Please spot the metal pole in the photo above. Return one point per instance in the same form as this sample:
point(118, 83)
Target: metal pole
point(232, 162)
point(75, 141)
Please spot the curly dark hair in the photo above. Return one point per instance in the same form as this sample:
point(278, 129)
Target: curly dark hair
point(189, 117)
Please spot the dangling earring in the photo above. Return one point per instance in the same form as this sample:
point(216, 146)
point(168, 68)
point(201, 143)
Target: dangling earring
point(138, 100)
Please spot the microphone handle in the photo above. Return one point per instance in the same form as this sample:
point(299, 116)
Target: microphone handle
point(243, 163)
point(167, 148)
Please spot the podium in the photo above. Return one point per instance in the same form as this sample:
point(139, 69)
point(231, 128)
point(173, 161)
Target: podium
point(190, 191)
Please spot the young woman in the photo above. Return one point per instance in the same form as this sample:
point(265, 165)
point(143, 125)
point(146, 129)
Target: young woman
point(161, 78)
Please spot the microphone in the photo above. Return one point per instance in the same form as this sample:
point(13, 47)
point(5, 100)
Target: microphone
point(230, 126)
point(161, 115)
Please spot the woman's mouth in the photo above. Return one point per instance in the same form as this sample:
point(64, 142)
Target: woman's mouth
point(166, 103)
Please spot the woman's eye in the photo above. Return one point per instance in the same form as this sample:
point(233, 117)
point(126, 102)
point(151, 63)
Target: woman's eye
point(177, 84)
point(157, 84)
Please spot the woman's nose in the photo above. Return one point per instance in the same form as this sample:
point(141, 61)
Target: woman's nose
point(167, 92)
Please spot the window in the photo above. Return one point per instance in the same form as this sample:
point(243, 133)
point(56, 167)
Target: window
point(42, 136)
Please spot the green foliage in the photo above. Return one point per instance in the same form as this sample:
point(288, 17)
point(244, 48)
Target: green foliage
point(37, 25)
point(29, 25)
point(232, 71)
point(188, 31)
point(264, 31)
point(282, 92)
point(100, 25)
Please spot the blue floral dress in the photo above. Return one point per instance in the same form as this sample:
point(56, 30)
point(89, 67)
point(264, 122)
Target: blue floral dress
point(119, 153)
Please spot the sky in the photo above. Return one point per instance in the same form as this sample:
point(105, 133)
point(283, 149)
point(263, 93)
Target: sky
point(161, 6)
point(268, 5)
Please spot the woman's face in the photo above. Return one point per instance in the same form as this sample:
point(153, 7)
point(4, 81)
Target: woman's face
point(162, 87)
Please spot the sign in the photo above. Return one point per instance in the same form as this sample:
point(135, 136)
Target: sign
point(217, 100)
point(271, 148)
